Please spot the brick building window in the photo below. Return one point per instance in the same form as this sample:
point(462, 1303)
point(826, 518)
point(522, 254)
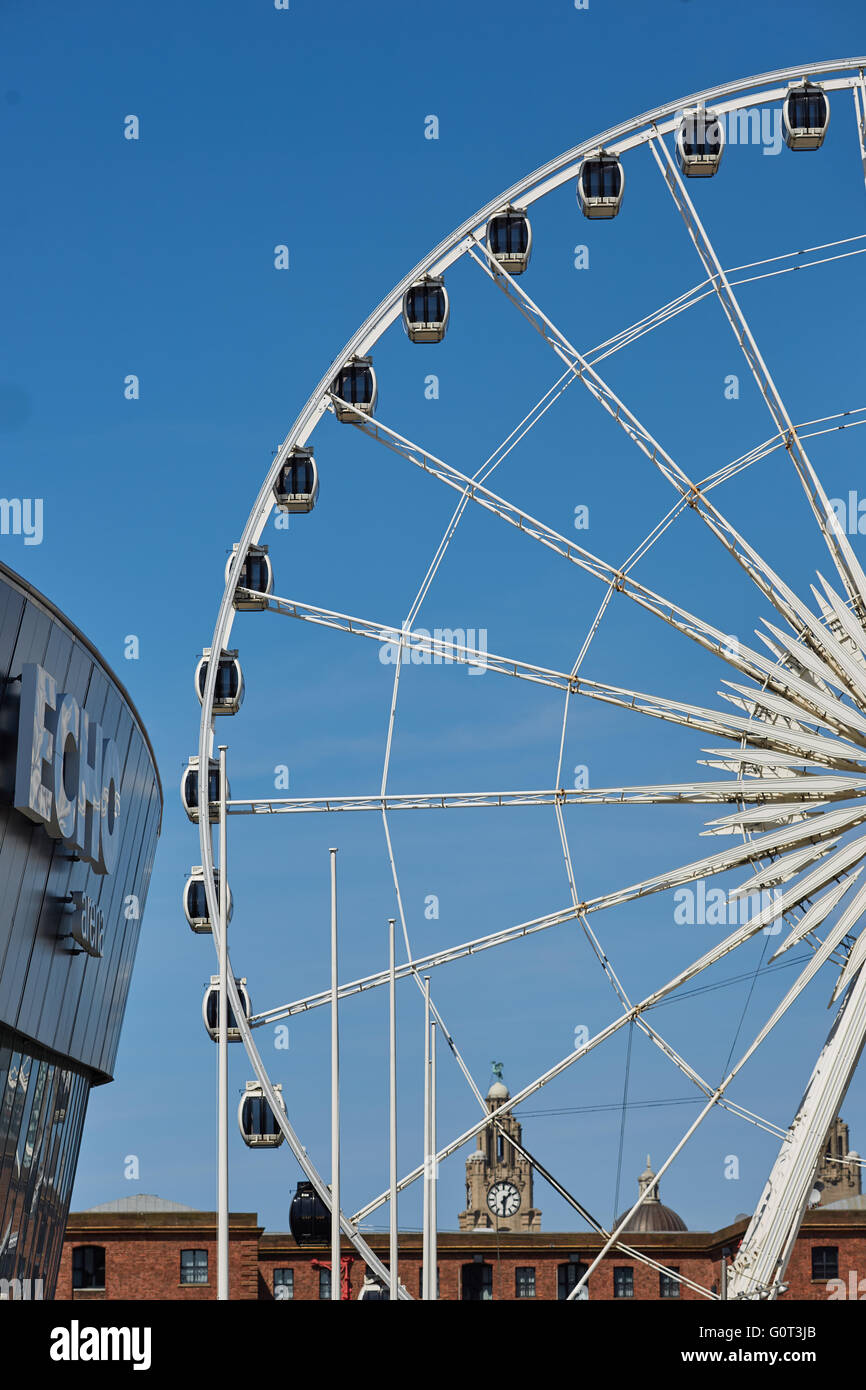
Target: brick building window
point(476, 1282)
point(524, 1281)
point(668, 1287)
point(324, 1282)
point(193, 1266)
point(567, 1275)
point(825, 1262)
point(623, 1281)
point(284, 1283)
point(88, 1267)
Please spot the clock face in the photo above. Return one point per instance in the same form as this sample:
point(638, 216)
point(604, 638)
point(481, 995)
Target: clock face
point(503, 1199)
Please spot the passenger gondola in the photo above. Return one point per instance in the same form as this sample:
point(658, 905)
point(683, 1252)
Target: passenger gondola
point(229, 689)
point(256, 576)
point(195, 900)
point(258, 1125)
point(509, 239)
point(700, 143)
point(309, 1218)
point(355, 386)
point(805, 116)
point(297, 487)
point(210, 1010)
point(189, 790)
point(600, 185)
point(426, 310)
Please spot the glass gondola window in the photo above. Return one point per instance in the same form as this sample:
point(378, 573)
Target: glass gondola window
point(508, 235)
point(602, 178)
point(807, 109)
point(426, 303)
point(702, 135)
point(354, 384)
point(297, 476)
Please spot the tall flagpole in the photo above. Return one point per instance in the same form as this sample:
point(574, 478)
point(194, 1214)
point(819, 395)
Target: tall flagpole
point(425, 1253)
point(223, 1045)
point(392, 1117)
point(434, 1248)
point(335, 1095)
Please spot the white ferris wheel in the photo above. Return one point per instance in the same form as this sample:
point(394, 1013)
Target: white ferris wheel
point(785, 769)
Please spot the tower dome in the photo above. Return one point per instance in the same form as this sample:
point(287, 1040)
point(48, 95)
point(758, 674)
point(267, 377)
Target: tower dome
point(652, 1214)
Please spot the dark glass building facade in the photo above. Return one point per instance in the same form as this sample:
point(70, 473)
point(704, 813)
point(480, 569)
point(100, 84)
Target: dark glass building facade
point(80, 813)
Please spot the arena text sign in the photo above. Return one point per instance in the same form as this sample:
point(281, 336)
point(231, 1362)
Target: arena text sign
point(67, 774)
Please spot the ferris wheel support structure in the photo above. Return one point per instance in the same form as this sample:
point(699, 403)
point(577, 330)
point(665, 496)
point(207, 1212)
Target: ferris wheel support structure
point(760, 1263)
point(759, 1267)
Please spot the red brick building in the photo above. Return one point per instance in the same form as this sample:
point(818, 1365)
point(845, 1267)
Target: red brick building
point(144, 1248)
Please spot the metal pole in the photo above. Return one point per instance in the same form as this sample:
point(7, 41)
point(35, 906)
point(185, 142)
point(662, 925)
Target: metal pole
point(223, 1045)
point(723, 1281)
point(335, 1094)
point(392, 1117)
point(434, 1249)
point(425, 1254)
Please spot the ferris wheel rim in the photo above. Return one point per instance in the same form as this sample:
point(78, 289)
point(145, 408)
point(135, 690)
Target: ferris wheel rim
point(542, 181)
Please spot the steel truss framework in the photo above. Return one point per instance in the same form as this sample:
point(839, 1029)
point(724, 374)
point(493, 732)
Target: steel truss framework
point(796, 746)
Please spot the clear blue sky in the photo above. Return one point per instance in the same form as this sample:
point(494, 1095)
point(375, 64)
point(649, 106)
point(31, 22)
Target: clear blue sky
point(155, 257)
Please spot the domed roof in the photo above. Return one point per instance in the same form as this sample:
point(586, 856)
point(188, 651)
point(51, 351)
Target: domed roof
point(652, 1214)
point(498, 1091)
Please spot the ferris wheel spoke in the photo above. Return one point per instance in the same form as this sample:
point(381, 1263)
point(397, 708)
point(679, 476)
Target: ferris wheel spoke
point(760, 572)
point(712, 639)
point(776, 441)
point(829, 868)
point(807, 789)
point(845, 560)
point(692, 297)
point(671, 613)
point(807, 974)
point(711, 957)
point(420, 963)
point(834, 753)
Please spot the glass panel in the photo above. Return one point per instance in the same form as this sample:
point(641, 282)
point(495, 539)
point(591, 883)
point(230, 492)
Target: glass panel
point(807, 110)
point(601, 178)
point(524, 1281)
point(227, 679)
point(88, 1267)
point(193, 1266)
point(567, 1275)
point(701, 137)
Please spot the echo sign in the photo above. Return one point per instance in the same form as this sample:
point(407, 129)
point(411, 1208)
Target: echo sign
point(67, 774)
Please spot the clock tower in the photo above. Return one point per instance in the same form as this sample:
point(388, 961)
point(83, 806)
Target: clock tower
point(498, 1178)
